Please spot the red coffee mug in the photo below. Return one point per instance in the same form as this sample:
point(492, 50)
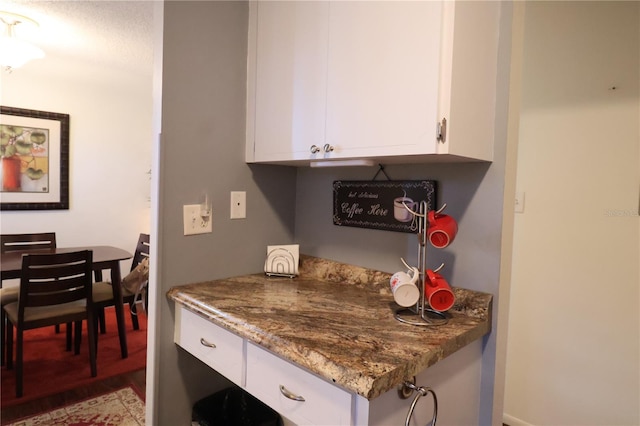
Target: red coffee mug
point(438, 292)
point(442, 229)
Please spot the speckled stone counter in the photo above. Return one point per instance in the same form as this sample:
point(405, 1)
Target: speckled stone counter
point(336, 320)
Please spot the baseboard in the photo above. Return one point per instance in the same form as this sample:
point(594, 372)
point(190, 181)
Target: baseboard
point(513, 421)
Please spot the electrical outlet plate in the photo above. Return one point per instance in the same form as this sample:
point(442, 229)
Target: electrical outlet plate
point(238, 204)
point(194, 223)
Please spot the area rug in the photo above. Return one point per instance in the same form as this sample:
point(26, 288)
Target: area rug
point(50, 369)
point(119, 408)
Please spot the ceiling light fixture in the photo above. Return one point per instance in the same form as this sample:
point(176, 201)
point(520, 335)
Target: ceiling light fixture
point(15, 52)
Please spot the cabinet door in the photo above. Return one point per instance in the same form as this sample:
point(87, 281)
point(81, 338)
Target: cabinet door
point(383, 73)
point(468, 77)
point(290, 79)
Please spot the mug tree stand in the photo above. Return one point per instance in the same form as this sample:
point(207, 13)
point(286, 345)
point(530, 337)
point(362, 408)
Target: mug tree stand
point(420, 314)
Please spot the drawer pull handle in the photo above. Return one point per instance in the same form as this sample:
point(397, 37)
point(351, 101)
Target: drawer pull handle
point(289, 395)
point(207, 344)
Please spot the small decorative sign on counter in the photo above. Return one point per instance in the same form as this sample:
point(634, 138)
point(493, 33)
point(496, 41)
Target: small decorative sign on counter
point(379, 204)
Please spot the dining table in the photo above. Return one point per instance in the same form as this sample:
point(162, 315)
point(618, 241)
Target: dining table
point(104, 257)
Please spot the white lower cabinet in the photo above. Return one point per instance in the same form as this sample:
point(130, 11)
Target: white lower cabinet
point(211, 344)
point(456, 381)
point(296, 394)
point(278, 382)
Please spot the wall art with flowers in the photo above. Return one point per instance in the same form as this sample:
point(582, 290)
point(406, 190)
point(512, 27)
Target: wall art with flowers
point(34, 159)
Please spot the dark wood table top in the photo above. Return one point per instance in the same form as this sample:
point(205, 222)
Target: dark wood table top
point(103, 257)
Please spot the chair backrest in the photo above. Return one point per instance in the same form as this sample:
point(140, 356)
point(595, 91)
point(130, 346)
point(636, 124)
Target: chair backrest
point(142, 250)
point(53, 279)
point(24, 242)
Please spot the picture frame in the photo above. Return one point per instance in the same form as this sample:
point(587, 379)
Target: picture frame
point(34, 168)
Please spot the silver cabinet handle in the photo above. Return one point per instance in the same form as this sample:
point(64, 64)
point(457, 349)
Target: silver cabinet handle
point(327, 147)
point(207, 344)
point(290, 395)
point(314, 149)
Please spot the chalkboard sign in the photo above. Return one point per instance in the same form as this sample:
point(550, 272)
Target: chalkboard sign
point(378, 204)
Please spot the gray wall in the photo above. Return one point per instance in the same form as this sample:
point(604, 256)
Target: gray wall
point(203, 145)
point(203, 110)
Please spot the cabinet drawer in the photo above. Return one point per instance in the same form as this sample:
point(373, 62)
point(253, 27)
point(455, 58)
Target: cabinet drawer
point(324, 403)
point(218, 348)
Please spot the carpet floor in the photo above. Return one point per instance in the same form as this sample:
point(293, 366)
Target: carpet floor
point(50, 369)
point(122, 407)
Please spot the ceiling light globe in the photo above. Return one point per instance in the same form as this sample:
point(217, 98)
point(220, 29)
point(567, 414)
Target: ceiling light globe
point(14, 52)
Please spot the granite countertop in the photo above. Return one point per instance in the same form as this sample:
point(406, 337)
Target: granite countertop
point(336, 320)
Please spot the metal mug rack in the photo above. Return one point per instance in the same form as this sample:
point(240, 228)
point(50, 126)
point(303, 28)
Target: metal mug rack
point(420, 314)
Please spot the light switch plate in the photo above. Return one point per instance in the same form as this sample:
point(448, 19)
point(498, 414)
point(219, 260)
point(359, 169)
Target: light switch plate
point(238, 204)
point(194, 223)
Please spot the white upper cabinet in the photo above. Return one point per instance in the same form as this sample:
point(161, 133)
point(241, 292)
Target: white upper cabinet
point(287, 79)
point(371, 80)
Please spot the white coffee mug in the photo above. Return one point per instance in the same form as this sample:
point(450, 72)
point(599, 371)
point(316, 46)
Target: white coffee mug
point(404, 289)
point(400, 212)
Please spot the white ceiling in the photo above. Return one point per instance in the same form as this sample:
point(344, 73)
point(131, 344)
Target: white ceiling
point(103, 33)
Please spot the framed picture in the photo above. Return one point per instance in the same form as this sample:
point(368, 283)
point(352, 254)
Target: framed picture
point(34, 168)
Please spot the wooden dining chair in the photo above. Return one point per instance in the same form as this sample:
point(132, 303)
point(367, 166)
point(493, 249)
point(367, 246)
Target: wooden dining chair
point(103, 293)
point(54, 289)
point(20, 242)
point(27, 242)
